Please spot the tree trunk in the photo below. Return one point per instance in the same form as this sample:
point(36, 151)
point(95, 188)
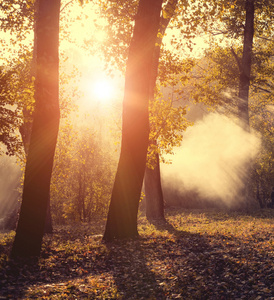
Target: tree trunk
point(153, 187)
point(31, 224)
point(25, 129)
point(48, 225)
point(245, 71)
point(123, 210)
point(244, 83)
point(258, 195)
point(153, 193)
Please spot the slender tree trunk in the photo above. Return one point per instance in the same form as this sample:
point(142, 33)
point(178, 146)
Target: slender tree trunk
point(153, 187)
point(123, 210)
point(31, 224)
point(153, 192)
point(244, 84)
point(25, 129)
point(152, 180)
point(48, 225)
point(245, 71)
point(258, 196)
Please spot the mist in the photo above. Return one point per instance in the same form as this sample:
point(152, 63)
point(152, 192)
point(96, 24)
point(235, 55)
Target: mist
point(10, 174)
point(215, 156)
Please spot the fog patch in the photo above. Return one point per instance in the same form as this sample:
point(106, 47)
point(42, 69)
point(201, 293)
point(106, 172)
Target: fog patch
point(10, 174)
point(215, 156)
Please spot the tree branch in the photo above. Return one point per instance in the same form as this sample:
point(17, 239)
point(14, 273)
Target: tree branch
point(264, 38)
point(65, 5)
point(262, 89)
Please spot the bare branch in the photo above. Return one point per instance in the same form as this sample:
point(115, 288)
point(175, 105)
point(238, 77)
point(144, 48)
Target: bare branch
point(66, 5)
point(264, 38)
point(262, 89)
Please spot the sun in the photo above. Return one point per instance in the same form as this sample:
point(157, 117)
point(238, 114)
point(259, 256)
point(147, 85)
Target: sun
point(100, 89)
point(103, 90)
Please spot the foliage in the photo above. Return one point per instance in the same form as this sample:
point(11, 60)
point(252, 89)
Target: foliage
point(17, 18)
point(17, 99)
point(82, 175)
point(214, 81)
point(167, 122)
point(232, 17)
point(197, 255)
point(7, 114)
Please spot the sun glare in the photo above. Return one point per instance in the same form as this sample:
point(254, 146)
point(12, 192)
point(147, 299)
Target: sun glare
point(102, 89)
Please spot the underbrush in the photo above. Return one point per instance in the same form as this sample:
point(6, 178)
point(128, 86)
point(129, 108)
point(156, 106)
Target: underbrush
point(197, 254)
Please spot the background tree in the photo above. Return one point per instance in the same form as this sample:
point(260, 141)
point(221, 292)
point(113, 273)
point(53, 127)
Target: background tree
point(30, 228)
point(245, 66)
point(152, 180)
point(237, 80)
point(82, 175)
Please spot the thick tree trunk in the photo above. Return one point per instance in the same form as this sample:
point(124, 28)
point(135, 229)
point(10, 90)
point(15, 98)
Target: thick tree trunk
point(31, 224)
point(123, 210)
point(153, 187)
point(245, 71)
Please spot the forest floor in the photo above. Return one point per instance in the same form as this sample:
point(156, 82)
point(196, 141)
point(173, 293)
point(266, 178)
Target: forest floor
point(196, 255)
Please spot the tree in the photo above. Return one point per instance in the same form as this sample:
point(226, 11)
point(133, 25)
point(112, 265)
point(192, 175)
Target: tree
point(238, 79)
point(245, 64)
point(30, 228)
point(123, 210)
point(244, 19)
point(244, 78)
point(82, 176)
point(169, 65)
point(152, 180)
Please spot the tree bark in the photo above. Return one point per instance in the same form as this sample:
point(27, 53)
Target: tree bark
point(32, 218)
point(48, 224)
point(153, 193)
point(153, 187)
point(244, 84)
point(245, 71)
point(123, 210)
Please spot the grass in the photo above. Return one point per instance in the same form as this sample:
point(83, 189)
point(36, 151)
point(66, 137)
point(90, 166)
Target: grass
point(196, 255)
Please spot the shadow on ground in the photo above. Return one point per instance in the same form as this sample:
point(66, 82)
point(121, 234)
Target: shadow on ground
point(165, 264)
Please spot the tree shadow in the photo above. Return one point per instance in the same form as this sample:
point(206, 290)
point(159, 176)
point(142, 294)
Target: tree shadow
point(124, 262)
point(131, 271)
point(163, 225)
point(188, 242)
point(182, 265)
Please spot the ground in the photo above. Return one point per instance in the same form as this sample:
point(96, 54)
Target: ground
point(196, 255)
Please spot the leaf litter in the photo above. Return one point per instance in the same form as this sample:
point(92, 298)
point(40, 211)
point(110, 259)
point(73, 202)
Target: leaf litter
point(195, 255)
